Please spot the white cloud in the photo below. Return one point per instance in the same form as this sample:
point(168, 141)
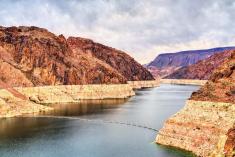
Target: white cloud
point(142, 28)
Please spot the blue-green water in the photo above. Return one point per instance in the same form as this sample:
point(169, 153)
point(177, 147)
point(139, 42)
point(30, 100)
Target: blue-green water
point(66, 137)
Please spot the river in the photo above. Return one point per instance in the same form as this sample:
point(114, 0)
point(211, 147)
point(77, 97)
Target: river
point(107, 128)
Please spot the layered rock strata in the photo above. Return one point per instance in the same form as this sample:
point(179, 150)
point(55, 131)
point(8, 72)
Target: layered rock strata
point(75, 93)
point(11, 105)
point(200, 127)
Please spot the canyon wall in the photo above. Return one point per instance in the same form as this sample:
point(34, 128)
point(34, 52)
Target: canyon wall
point(200, 127)
point(206, 125)
point(116, 59)
point(32, 56)
point(47, 68)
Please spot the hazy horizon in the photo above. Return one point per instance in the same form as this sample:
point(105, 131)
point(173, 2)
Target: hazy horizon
point(143, 29)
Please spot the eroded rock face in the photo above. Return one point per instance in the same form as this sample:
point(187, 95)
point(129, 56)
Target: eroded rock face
point(229, 147)
point(165, 64)
point(32, 56)
point(203, 69)
point(221, 85)
point(200, 127)
point(116, 59)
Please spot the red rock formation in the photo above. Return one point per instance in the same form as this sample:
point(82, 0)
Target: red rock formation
point(116, 59)
point(230, 143)
point(32, 56)
point(203, 69)
point(221, 84)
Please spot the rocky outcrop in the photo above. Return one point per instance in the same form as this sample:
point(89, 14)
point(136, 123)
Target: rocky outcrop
point(116, 59)
point(184, 81)
point(203, 69)
point(205, 125)
point(37, 57)
point(32, 56)
point(200, 127)
point(165, 64)
point(11, 106)
point(75, 93)
point(221, 85)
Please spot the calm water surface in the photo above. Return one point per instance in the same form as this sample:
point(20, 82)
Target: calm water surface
point(66, 137)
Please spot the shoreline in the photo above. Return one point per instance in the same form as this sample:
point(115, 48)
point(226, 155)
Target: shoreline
point(183, 81)
point(11, 106)
point(200, 127)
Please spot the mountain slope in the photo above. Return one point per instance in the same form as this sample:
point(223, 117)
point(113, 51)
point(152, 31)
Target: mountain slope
point(116, 59)
point(221, 85)
point(32, 56)
point(203, 69)
point(167, 63)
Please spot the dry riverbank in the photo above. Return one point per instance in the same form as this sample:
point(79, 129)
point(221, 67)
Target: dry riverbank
point(184, 81)
point(200, 127)
point(11, 106)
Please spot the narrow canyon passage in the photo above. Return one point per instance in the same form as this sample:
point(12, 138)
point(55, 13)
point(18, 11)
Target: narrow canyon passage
point(97, 128)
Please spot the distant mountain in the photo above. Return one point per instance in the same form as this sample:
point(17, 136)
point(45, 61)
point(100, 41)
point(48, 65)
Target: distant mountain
point(32, 56)
point(165, 64)
point(203, 69)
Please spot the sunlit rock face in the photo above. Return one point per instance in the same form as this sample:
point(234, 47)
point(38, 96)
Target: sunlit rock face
point(32, 56)
point(41, 58)
point(119, 60)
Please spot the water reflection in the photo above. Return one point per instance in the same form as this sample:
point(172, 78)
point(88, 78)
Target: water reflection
point(20, 126)
point(85, 107)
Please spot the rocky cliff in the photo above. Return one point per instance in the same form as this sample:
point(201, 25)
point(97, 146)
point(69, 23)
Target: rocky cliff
point(48, 68)
point(205, 125)
point(32, 56)
point(116, 59)
point(203, 69)
point(167, 63)
point(221, 85)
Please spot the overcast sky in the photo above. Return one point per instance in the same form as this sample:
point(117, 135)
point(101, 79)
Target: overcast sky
point(142, 28)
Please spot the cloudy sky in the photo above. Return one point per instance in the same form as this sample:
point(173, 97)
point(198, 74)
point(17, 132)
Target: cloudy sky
point(143, 28)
